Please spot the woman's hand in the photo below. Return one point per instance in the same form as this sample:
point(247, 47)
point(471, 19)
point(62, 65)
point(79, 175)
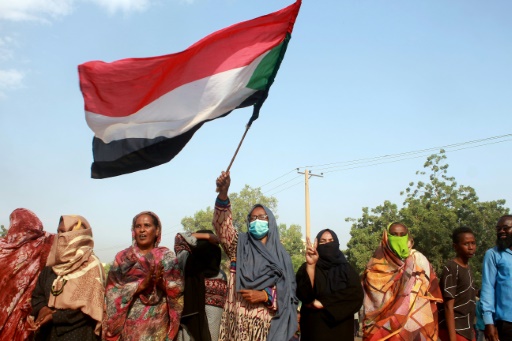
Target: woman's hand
point(159, 277)
point(45, 315)
point(223, 182)
point(311, 252)
point(148, 281)
point(316, 304)
point(254, 296)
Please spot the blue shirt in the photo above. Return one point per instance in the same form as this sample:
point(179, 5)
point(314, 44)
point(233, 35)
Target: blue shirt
point(496, 293)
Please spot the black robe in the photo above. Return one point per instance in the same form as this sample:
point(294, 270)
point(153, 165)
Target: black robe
point(66, 324)
point(336, 320)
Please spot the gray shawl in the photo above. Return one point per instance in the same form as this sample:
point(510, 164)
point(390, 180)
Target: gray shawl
point(260, 266)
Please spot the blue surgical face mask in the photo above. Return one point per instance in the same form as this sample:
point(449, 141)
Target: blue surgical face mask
point(258, 228)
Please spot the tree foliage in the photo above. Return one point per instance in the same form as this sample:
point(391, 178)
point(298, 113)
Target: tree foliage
point(202, 220)
point(291, 238)
point(3, 231)
point(241, 204)
point(433, 207)
point(106, 267)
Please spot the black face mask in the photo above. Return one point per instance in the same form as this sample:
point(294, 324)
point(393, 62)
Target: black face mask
point(332, 260)
point(328, 251)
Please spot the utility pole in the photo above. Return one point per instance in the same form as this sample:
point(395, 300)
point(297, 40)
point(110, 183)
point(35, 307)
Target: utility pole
point(307, 175)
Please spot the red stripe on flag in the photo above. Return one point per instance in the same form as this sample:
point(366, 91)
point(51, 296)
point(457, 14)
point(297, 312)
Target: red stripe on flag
point(123, 87)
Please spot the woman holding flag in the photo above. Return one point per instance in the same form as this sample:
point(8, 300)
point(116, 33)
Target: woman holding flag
point(261, 302)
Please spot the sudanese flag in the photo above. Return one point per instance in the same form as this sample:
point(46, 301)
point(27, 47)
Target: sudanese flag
point(143, 111)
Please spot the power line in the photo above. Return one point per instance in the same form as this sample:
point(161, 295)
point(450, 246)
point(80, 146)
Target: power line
point(295, 184)
point(284, 183)
point(279, 177)
point(383, 159)
point(408, 158)
point(411, 152)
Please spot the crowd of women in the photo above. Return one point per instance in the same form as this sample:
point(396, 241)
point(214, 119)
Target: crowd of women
point(53, 287)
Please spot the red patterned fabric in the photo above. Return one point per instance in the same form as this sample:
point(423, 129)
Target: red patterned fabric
point(23, 253)
point(216, 291)
point(153, 313)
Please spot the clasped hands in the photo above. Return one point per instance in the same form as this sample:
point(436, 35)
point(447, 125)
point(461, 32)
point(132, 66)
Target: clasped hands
point(153, 279)
point(44, 316)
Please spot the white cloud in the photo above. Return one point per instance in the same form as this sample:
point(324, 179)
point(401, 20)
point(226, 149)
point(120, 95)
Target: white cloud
point(6, 52)
point(114, 6)
point(34, 10)
point(46, 10)
point(9, 80)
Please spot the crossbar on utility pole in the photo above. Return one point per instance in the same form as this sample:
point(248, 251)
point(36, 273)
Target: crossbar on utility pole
point(307, 175)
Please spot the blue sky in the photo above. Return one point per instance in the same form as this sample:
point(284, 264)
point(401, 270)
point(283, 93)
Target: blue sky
point(360, 79)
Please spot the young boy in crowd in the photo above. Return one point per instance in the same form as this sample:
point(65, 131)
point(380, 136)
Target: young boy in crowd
point(457, 313)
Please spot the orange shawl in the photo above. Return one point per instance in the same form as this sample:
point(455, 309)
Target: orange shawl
point(400, 296)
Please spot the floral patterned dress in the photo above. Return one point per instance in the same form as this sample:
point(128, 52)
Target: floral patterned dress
point(151, 315)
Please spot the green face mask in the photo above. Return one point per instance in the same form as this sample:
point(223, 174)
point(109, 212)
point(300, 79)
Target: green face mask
point(399, 245)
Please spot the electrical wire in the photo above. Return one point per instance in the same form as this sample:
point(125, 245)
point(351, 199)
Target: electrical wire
point(340, 166)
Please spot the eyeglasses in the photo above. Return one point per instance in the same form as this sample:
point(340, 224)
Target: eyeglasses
point(258, 217)
point(504, 227)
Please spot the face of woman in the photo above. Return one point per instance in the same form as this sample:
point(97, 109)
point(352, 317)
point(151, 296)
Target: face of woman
point(326, 238)
point(398, 230)
point(145, 233)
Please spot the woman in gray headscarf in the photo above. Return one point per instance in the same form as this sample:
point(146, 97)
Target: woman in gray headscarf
point(261, 302)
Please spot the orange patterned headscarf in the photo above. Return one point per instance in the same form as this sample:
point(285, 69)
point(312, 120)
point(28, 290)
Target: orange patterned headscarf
point(400, 296)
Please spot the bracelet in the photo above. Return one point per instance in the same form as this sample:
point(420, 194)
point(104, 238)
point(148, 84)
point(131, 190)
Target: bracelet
point(270, 299)
point(222, 202)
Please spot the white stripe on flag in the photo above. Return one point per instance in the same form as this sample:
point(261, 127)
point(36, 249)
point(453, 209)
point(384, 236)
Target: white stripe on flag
point(181, 109)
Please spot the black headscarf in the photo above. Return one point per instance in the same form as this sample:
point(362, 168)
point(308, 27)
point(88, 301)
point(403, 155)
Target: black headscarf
point(333, 261)
point(203, 262)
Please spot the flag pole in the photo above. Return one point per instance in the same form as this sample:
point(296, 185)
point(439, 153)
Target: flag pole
point(237, 149)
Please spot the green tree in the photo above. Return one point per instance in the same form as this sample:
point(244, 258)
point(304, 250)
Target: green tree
point(366, 232)
point(3, 231)
point(202, 220)
point(106, 267)
point(291, 238)
point(241, 204)
point(433, 207)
